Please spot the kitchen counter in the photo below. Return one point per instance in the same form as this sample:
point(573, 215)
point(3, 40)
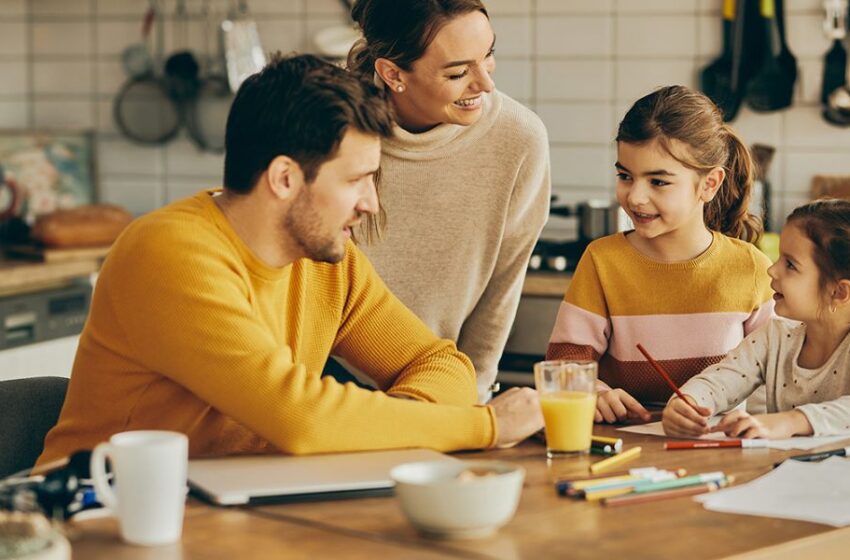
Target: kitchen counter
point(19, 275)
point(546, 284)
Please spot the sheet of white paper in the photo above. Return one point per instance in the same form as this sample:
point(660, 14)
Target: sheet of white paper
point(816, 492)
point(655, 429)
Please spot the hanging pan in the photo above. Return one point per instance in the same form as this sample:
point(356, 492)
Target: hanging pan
point(144, 110)
point(206, 116)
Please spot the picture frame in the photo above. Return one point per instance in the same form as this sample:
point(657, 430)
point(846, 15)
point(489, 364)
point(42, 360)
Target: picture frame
point(47, 170)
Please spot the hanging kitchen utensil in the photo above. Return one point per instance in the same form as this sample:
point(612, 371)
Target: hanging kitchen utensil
point(837, 108)
point(716, 79)
point(206, 116)
point(143, 109)
point(136, 58)
point(772, 88)
point(335, 42)
point(835, 61)
point(181, 67)
point(243, 50)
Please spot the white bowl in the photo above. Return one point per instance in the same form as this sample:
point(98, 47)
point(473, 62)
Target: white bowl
point(439, 503)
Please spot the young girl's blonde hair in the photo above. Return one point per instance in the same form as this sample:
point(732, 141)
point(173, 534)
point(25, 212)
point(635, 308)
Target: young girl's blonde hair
point(680, 113)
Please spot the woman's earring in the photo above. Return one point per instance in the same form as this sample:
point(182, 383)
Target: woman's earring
point(399, 88)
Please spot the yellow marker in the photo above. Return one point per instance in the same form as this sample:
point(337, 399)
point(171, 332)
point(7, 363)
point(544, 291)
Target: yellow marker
point(591, 496)
point(616, 460)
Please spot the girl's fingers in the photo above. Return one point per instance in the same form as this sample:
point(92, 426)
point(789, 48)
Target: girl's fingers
point(729, 420)
point(604, 409)
point(685, 410)
point(617, 407)
point(632, 405)
point(739, 427)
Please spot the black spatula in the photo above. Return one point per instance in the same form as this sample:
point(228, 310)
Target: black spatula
point(716, 79)
point(772, 88)
point(835, 61)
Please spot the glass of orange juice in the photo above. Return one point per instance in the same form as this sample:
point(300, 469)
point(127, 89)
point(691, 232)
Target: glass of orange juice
point(567, 390)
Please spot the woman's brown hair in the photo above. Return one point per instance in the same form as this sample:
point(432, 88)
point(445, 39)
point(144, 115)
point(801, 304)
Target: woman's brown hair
point(680, 113)
point(826, 222)
point(400, 31)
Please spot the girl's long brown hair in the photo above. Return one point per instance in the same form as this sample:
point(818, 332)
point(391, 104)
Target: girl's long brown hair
point(680, 113)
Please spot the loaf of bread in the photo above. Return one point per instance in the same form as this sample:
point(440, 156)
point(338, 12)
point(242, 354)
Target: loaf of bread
point(85, 226)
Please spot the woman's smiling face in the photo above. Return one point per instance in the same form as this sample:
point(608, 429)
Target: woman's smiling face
point(447, 83)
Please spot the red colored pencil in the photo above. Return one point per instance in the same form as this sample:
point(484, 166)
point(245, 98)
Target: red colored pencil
point(712, 444)
point(657, 367)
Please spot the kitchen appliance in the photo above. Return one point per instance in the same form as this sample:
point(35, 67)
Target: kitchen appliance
point(569, 230)
point(45, 315)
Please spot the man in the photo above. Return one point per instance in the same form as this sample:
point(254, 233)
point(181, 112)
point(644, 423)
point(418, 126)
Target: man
point(214, 315)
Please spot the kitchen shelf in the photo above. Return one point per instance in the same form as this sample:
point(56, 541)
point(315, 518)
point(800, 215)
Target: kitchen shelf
point(546, 284)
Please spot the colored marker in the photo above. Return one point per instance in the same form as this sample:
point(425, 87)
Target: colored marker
point(616, 460)
point(616, 444)
point(680, 482)
point(665, 495)
point(595, 493)
point(714, 444)
point(820, 456)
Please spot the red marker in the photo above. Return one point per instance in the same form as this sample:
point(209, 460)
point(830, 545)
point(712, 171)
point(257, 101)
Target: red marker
point(713, 444)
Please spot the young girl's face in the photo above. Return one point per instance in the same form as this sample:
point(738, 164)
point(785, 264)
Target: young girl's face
point(659, 194)
point(796, 277)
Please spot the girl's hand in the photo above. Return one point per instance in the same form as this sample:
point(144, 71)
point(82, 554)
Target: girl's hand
point(616, 405)
point(679, 419)
point(779, 425)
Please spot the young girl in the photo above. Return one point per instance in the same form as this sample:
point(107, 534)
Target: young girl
point(686, 283)
point(803, 361)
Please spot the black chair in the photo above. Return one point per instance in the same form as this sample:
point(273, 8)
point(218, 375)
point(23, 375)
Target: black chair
point(28, 409)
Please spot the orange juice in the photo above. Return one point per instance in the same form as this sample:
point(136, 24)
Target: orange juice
point(568, 416)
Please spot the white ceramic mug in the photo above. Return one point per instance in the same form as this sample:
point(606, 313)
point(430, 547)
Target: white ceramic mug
point(150, 483)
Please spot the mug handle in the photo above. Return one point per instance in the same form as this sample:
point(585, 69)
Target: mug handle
point(98, 474)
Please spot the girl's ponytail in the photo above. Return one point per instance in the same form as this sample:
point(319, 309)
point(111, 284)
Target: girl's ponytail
point(728, 212)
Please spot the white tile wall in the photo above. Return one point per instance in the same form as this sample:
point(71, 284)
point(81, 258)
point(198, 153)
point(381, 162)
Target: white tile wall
point(578, 63)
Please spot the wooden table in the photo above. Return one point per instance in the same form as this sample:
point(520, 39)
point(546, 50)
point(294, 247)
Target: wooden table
point(545, 526)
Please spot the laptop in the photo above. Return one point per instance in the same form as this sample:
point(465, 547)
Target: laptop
point(260, 479)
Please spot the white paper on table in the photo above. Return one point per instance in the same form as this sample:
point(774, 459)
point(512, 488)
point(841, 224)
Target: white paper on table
point(799, 442)
point(806, 491)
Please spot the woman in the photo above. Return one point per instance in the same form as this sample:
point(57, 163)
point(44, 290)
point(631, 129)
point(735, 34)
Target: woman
point(465, 181)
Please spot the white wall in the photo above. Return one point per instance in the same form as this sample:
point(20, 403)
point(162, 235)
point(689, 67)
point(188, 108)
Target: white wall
point(578, 63)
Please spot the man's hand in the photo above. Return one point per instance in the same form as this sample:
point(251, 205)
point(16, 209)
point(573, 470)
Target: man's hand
point(518, 415)
point(616, 405)
point(681, 420)
point(779, 425)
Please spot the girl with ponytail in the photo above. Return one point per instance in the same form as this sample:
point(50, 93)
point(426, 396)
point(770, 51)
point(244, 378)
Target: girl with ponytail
point(687, 282)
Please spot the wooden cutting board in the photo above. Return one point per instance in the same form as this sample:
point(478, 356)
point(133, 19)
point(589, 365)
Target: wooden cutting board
point(48, 255)
point(836, 186)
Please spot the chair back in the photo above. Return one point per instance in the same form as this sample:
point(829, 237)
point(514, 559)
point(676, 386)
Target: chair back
point(28, 409)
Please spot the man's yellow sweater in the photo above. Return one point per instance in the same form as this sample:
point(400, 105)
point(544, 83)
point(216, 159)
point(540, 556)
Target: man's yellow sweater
point(190, 331)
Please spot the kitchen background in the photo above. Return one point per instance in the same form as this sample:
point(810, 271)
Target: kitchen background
point(578, 63)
